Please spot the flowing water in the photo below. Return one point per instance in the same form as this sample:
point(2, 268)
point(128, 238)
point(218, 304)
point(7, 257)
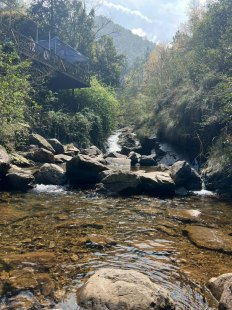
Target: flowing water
point(87, 232)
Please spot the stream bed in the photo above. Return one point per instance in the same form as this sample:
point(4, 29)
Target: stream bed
point(87, 232)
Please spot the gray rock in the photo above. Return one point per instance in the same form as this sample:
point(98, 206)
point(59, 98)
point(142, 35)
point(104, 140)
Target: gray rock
point(4, 160)
point(147, 160)
point(51, 174)
point(134, 157)
point(57, 146)
point(20, 160)
point(217, 285)
point(226, 298)
point(123, 164)
point(116, 289)
point(71, 150)
point(41, 142)
point(114, 155)
point(84, 170)
point(185, 176)
point(217, 178)
point(19, 179)
point(41, 155)
point(92, 151)
point(126, 150)
point(148, 144)
point(156, 183)
point(120, 182)
point(62, 158)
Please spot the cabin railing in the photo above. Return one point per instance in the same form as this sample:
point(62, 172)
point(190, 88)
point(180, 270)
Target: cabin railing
point(34, 51)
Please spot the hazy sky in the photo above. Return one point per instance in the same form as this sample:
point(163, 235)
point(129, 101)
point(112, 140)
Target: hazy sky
point(158, 20)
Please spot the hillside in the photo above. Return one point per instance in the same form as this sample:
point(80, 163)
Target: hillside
point(125, 41)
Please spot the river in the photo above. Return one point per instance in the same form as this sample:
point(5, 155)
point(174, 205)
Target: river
point(86, 232)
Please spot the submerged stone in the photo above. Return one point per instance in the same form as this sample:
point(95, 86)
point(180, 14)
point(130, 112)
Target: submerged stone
point(10, 214)
point(211, 239)
point(185, 215)
point(122, 289)
point(39, 260)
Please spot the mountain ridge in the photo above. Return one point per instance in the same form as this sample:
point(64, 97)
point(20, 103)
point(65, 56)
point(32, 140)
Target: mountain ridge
point(127, 43)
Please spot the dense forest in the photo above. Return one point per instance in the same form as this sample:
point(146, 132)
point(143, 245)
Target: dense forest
point(183, 93)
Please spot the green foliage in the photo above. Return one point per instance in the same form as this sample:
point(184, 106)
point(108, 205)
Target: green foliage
point(50, 14)
point(66, 127)
point(14, 94)
point(101, 100)
point(87, 118)
point(188, 83)
point(107, 64)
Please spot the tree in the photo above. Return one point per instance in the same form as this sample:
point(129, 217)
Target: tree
point(107, 64)
point(50, 14)
point(14, 94)
point(79, 27)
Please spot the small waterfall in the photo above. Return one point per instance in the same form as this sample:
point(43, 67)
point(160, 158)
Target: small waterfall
point(112, 142)
point(204, 191)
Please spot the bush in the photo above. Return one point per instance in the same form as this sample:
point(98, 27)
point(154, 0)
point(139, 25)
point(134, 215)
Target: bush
point(14, 94)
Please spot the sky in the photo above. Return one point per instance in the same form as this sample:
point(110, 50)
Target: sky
point(157, 20)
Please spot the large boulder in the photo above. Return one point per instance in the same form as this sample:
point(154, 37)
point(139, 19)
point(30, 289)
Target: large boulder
point(185, 176)
point(116, 289)
point(57, 146)
point(51, 174)
point(120, 182)
point(40, 141)
point(221, 288)
point(4, 160)
point(148, 144)
point(20, 161)
point(217, 178)
point(41, 155)
point(19, 179)
point(84, 170)
point(156, 183)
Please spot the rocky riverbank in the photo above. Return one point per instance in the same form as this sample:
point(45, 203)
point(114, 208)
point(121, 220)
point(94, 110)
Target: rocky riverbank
point(158, 172)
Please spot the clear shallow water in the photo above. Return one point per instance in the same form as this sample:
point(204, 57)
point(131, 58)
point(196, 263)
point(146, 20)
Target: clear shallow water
point(144, 234)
